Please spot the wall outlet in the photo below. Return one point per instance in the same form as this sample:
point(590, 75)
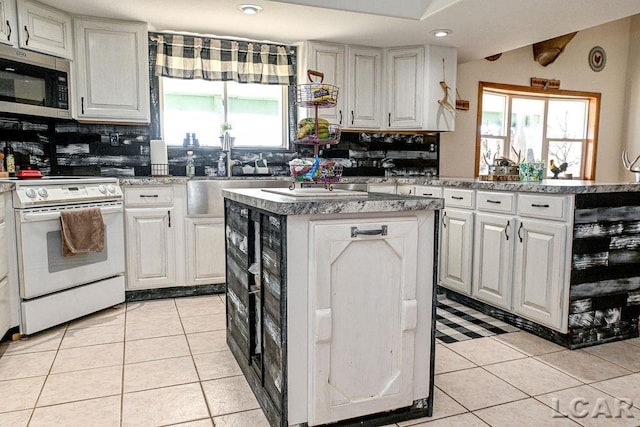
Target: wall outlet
point(114, 139)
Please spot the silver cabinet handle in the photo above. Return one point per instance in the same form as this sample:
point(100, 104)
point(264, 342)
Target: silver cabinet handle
point(535, 205)
point(380, 231)
point(496, 202)
point(506, 227)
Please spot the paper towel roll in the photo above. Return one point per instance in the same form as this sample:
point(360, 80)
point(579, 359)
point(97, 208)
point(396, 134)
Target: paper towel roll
point(158, 151)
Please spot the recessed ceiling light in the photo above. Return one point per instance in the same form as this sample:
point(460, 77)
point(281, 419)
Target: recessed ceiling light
point(249, 9)
point(441, 33)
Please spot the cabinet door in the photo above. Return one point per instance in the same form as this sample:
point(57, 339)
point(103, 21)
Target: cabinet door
point(205, 251)
point(493, 259)
point(8, 23)
point(362, 317)
point(456, 250)
point(538, 292)
point(44, 29)
point(113, 71)
point(150, 244)
point(405, 71)
point(364, 87)
point(328, 59)
point(5, 306)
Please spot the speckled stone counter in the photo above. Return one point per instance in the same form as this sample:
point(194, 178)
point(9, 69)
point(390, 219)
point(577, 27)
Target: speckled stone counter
point(372, 202)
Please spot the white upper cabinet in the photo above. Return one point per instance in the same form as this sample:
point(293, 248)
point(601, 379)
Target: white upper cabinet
point(421, 88)
point(405, 68)
point(328, 59)
point(112, 71)
point(364, 87)
point(44, 29)
point(8, 23)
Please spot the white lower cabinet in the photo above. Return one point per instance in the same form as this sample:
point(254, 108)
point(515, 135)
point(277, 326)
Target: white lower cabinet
point(363, 315)
point(539, 282)
point(493, 259)
point(205, 251)
point(151, 240)
point(456, 250)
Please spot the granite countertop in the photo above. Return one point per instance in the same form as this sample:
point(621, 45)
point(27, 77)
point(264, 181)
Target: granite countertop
point(557, 186)
point(367, 203)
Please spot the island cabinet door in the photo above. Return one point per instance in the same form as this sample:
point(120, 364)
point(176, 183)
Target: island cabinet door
point(362, 317)
point(538, 292)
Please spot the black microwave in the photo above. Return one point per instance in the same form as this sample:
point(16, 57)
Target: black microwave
point(34, 84)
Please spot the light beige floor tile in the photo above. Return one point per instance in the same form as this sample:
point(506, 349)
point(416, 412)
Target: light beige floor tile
point(626, 387)
point(142, 318)
point(208, 422)
point(81, 385)
point(159, 373)
point(253, 418)
point(156, 348)
point(166, 305)
point(476, 388)
point(153, 327)
point(620, 353)
point(532, 376)
point(20, 394)
point(161, 406)
point(104, 411)
point(228, 395)
point(92, 336)
point(207, 342)
point(24, 365)
point(463, 420)
point(523, 413)
point(15, 419)
point(448, 360)
point(42, 341)
point(198, 306)
point(527, 343)
point(111, 316)
point(584, 366)
point(208, 322)
point(483, 351)
point(591, 407)
point(443, 406)
point(633, 341)
point(216, 365)
point(95, 356)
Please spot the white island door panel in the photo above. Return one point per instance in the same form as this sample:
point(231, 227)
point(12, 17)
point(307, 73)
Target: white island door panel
point(362, 317)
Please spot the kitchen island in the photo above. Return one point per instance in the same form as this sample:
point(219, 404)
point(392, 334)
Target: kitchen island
point(330, 303)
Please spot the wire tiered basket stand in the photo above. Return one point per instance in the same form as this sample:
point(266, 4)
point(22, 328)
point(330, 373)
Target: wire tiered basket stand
point(316, 132)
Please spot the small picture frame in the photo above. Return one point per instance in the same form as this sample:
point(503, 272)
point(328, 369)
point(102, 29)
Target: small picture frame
point(597, 59)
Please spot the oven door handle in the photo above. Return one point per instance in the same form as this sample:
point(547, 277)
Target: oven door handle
point(44, 216)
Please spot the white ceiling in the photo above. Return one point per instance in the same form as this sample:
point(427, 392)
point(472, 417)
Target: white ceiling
point(480, 27)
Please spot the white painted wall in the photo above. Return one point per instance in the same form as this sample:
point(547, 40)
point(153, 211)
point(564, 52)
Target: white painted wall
point(572, 69)
point(631, 129)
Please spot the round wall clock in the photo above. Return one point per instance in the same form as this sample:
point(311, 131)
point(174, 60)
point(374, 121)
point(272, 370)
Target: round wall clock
point(597, 58)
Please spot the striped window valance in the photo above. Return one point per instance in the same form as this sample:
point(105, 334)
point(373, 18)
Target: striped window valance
point(192, 57)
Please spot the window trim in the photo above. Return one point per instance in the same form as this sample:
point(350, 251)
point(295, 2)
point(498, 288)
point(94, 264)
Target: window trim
point(593, 122)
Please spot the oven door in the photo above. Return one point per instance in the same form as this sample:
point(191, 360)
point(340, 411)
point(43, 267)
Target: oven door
point(43, 269)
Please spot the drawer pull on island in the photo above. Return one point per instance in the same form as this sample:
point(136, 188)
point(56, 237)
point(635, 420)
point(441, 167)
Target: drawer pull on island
point(381, 231)
point(535, 205)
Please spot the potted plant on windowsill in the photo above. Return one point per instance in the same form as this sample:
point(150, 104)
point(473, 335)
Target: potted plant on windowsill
point(226, 140)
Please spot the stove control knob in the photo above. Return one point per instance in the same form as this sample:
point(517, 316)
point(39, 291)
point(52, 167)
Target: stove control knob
point(43, 192)
point(31, 193)
point(111, 189)
point(102, 189)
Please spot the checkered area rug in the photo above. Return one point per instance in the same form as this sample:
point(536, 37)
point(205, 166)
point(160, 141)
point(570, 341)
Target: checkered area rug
point(456, 322)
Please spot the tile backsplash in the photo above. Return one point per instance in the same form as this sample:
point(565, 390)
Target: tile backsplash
point(72, 148)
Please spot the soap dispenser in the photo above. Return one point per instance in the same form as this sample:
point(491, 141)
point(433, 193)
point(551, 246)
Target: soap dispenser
point(222, 170)
point(191, 167)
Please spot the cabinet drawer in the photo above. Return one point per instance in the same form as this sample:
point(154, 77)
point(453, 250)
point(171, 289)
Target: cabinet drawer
point(543, 206)
point(493, 201)
point(382, 188)
point(148, 196)
point(428, 191)
point(459, 198)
